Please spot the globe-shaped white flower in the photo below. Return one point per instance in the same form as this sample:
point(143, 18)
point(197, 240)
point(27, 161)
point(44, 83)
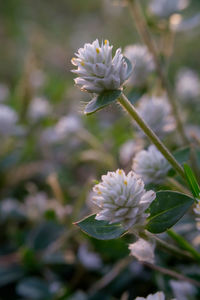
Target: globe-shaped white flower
point(151, 165)
point(156, 113)
point(165, 8)
point(143, 64)
point(8, 120)
point(156, 296)
point(96, 68)
point(122, 198)
point(188, 85)
point(143, 250)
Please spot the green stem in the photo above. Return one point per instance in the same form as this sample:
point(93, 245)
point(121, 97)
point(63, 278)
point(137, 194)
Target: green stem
point(184, 244)
point(125, 103)
point(143, 31)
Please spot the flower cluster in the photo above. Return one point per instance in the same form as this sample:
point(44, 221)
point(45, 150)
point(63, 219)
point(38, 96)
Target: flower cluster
point(151, 165)
point(156, 113)
point(122, 198)
point(143, 64)
point(96, 68)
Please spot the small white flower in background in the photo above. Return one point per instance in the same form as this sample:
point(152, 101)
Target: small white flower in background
point(165, 8)
point(39, 108)
point(156, 296)
point(143, 250)
point(49, 136)
point(156, 113)
point(4, 92)
point(129, 149)
point(89, 259)
point(67, 125)
point(142, 62)
point(97, 70)
point(122, 198)
point(8, 120)
point(183, 290)
point(151, 165)
point(197, 211)
point(188, 85)
point(10, 207)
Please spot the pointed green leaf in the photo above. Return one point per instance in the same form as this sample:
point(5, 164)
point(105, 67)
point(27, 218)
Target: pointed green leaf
point(135, 94)
point(101, 101)
point(100, 230)
point(191, 179)
point(166, 210)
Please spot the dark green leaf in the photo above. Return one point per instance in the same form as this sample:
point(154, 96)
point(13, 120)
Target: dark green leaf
point(191, 179)
point(100, 229)
point(182, 155)
point(101, 101)
point(34, 288)
point(135, 94)
point(166, 210)
point(10, 274)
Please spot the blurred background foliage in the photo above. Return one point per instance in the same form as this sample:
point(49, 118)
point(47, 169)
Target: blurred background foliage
point(49, 163)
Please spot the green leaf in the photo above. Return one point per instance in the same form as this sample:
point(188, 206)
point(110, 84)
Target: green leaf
point(191, 179)
point(166, 210)
point(182, 155)
point(101, 230)
point(130, 68)
point(34, 288)
point(10, 274)
point(102, 100)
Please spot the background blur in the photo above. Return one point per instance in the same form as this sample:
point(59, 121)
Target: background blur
point(50, 153)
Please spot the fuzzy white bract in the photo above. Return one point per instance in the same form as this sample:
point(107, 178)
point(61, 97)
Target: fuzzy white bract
point(156, 113)
point(156, 296)
point(122, 198)
point(143, 250)
point(96, 68)
point(151, 165)
point(8, 120)
point(165, 8)
point(188, 85)
point(143, 64)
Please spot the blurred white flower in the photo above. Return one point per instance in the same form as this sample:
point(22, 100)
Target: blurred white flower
point(89, 259)
point(197, 211)
point(142, 62)
point(156, 296)
point(39, 108)
point(49, 136)
point(151, 165)
point(122, 198)
point(97, 70)
point(8, 120)
point(156, 113)
point(36, 205)
point(188, 85)
point(129, 149)
point(143, 250)
point(67, 125)
point(10, 207)
point(183, 290)
point(4, 92)
point(165, 8)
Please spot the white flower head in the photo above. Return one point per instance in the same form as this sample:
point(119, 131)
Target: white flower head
point(122, 198)
point(8, 120)
point(188, 85)
point(165, 8)
point(67, 125)
point(97, 70)
point(39, 108)
point(143, 250)
point(143, 64)
point(151, 165)
point(182, 290)
point(129, 149)
point(156, 113)
point(156, 296)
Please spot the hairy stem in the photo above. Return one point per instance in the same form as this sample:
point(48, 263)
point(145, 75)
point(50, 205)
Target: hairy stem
point(143, 31)
point(125, 103)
